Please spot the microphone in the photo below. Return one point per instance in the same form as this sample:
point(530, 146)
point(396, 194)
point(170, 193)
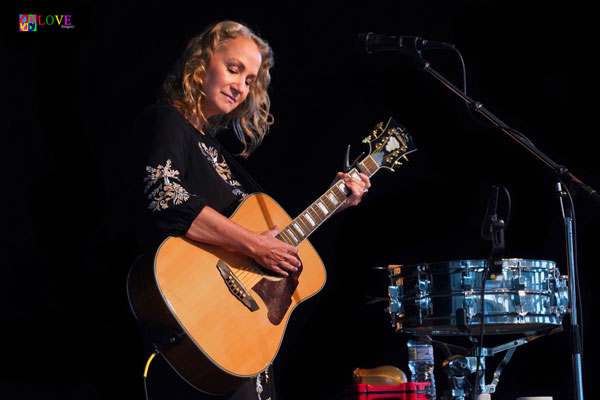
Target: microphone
point(492, 228)
point(491, 214)
point(375, 42)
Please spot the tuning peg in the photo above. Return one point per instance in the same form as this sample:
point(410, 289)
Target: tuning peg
point(397, 163)
point(369, 138)
point(378, 128)
point(404, 157)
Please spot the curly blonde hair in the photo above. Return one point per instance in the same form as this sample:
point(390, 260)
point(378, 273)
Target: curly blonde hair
point(183, 87)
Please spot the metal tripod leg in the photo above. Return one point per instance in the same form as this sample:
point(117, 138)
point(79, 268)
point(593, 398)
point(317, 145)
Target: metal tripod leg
point(458, 367)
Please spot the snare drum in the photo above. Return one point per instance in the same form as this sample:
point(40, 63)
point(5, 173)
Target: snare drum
point(525, 296)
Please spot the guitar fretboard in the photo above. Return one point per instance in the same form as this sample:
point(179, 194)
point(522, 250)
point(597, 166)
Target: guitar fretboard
point(324, 207)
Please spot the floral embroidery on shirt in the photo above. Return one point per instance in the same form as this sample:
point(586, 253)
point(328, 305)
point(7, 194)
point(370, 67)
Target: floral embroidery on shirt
point(222, 168)
point(168, 191)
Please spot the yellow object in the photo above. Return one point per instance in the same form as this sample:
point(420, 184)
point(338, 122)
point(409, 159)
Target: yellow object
point(383, 375)
point(148, 364)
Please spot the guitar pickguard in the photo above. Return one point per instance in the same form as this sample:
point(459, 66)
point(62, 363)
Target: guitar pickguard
point(277, 295)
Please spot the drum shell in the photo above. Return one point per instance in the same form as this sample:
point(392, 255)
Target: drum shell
point(445, 298)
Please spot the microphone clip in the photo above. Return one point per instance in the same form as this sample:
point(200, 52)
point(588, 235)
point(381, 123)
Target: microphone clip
point(493, 228)
point(497, 229)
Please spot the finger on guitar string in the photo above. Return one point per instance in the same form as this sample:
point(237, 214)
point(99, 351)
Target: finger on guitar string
point(275, 254)
point(357, 188)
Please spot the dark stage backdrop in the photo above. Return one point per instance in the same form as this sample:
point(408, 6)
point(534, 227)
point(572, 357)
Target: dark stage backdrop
point(68, 106)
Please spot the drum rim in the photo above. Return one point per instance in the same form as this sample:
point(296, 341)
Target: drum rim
point(482, 262)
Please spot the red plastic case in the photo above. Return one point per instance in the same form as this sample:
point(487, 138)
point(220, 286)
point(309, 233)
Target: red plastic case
point(405, 391)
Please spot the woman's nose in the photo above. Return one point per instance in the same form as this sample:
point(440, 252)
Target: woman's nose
point(239, 87)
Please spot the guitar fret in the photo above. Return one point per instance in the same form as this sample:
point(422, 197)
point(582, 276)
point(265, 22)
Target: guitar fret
point(369, 165)
point(314, 214)
point(331, 199)
point(327, 203)
point(312, 217)
point(284, 237)
point(323, 207)
point(301, 227)
point(300, 231)
point(289, 232)
point(342, 187)
point(308, 217)
point(302, 224)
point(334, 200)
point(319, 214)
point(339, 192)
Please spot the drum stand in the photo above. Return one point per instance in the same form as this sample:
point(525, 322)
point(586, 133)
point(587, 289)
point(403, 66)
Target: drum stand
point(464, 363)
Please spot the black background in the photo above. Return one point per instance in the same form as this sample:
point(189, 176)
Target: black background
point(68, 105)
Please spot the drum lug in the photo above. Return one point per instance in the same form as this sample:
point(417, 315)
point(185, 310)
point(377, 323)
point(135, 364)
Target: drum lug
point(518, 308)
point(552, 301)
point(423, 286)
point(395, 293)
point(562, 296)
point(467, 282)
point(516, 284)
point(467, 286)
point(422, 298)
point(468, 305)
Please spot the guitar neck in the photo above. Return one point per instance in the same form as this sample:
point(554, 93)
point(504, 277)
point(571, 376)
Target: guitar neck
point(324, 207)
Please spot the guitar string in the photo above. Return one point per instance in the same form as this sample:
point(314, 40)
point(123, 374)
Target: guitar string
point(247, 274)
point(319, 215)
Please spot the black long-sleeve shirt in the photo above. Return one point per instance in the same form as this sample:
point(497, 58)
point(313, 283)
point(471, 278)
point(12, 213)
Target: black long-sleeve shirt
point(179, 173)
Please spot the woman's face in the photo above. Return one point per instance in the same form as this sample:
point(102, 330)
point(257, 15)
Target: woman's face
point(230, 73)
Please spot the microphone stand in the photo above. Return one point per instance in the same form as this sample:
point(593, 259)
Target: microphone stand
point(563, 174)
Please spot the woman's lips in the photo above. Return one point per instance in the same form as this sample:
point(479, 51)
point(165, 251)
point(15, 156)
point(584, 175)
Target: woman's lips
point(230, 98)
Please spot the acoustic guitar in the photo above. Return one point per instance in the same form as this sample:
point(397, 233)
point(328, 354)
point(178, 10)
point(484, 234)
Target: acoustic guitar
point(216, 316)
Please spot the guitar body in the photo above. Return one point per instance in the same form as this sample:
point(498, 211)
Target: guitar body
point(201, 293)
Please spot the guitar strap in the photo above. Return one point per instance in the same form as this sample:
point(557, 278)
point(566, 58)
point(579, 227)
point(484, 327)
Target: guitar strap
point(240, 172)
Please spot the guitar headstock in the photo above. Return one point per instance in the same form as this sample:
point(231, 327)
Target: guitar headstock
point(389, 144)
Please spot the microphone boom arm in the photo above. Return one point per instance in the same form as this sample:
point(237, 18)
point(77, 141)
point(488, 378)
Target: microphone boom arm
point(560, 170)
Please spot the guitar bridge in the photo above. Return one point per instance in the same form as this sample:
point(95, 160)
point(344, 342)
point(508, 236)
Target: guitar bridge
point(235, 286)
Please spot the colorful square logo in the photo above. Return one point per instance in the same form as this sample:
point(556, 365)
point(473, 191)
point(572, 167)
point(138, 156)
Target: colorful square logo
point(27, 23)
